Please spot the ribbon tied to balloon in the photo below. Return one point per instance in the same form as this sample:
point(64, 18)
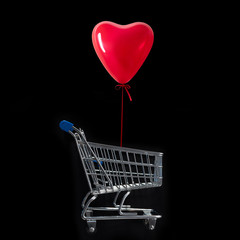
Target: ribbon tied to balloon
point(122, 49)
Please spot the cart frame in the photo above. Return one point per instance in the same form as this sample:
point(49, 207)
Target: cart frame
point(113, 169)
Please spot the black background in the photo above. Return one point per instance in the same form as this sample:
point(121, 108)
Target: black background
point(53, 73)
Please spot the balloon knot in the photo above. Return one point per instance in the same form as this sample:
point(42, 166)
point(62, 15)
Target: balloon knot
point(126, 87)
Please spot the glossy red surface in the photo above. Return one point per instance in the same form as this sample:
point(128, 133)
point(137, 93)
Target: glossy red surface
point(122, 49)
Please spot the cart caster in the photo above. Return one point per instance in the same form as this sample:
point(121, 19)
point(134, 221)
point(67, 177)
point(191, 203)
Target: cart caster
point(151, 222)
point(91, 230)
point(91, 226)
point(91, 223)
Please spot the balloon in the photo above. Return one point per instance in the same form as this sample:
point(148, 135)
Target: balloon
point(122, 49)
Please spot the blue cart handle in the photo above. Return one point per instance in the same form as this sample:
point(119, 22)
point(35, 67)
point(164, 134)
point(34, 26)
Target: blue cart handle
point(66, 126)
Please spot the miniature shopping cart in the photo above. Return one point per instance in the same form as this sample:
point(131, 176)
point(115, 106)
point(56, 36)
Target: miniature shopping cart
point(112, 169)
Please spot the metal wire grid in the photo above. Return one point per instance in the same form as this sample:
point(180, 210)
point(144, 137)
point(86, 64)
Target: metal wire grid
point(121, 168)
point(115, 169)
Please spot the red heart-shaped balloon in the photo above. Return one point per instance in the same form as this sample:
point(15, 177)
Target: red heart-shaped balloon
point(122, 49)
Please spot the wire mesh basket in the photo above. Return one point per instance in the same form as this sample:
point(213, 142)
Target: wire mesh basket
point(113, 169)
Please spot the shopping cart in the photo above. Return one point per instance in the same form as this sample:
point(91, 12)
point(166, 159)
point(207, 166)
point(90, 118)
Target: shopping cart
point(112, 169)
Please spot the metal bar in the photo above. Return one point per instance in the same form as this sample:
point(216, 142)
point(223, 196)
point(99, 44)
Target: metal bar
point(87, 205)
point(115, 189)
point(112, 167)
point(85, 141)
point(119, 172)
point(143, 168)
point(134, 157)
point(89, 162)
point(116, 167)
point(106, 167)
point(122, 217)
point(124, 175)
point(109, 165)
point(123, 167)
point(123, 208)
point(149, 168)
point(130, 169)
point(85, 170)
point(117, 148)
point(115, 199)
point(126, 162)
point(127, 173)
point(158, 170)
point(97, 154)
point(85, 199)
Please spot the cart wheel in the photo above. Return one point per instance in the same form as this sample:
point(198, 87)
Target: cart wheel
point(152, 223)
point(91, 223)
point(91, 229)
point(91, 226)
point(151, 227)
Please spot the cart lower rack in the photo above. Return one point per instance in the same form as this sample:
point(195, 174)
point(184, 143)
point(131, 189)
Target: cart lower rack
point(112, 169)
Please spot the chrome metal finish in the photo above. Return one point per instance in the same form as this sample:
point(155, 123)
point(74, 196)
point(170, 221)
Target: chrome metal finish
point(113, 169)
point(115, 201)
point(121, 207)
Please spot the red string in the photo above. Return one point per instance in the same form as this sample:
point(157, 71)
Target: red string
point(126, 87)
